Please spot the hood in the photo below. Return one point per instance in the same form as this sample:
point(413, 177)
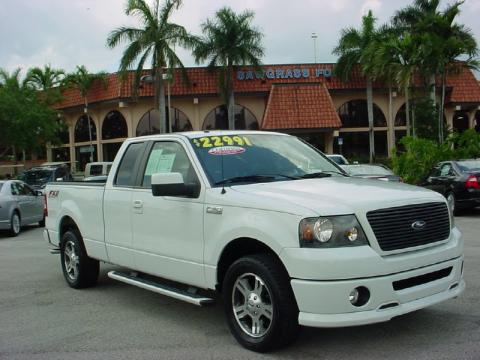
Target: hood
point(336, 195)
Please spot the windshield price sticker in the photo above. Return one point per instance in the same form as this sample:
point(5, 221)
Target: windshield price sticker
point(221, 141)
point(226, 150)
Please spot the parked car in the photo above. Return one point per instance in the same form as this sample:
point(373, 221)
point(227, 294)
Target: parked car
point(38, 177)
point(264, 220)
point(20, 205)
point(338, 159)
point(97, 168)
point(371, 171)
point(458, 181)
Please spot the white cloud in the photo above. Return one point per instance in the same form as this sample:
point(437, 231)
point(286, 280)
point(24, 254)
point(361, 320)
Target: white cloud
point(373, 5)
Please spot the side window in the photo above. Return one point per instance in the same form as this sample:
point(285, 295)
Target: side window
point(126, 171)
point(167, 157)
point(27, 190)
point(446, 170)
point(14, 189)
point(61, 173)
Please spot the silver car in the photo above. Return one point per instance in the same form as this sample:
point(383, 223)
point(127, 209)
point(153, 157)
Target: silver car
point(20, 205)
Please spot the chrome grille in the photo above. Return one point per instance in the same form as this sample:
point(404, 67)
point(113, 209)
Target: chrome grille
point(394, 227)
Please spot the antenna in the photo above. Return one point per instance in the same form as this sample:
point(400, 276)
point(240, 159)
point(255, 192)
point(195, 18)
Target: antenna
point(223, 175)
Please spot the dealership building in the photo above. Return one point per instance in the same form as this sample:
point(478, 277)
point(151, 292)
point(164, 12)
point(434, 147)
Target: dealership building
point(305, 100)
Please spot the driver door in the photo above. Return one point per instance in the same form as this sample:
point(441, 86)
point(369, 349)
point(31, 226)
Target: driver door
point(168, 231)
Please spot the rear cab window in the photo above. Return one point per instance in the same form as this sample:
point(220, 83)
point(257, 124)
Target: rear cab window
point(127, 170)
point(96, 170)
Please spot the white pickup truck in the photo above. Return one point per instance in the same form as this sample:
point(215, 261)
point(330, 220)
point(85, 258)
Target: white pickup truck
point(267, 222)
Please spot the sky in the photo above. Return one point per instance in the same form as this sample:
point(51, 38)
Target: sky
point(67, 33)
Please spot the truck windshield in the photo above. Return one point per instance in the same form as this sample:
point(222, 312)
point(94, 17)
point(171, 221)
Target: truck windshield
point(248, 158)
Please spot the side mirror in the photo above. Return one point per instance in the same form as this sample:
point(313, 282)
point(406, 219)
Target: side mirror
point(172, 184)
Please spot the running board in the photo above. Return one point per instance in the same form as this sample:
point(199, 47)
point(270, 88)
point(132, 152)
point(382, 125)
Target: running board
point(54, 251)
point(166, 290)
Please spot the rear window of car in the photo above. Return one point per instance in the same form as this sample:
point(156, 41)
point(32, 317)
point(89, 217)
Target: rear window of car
point(96, 170)
point(470, 165)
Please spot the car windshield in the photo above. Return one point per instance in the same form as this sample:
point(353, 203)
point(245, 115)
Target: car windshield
point(37, 177)
point(469, 166)
point(358, 170)
point(247, 158)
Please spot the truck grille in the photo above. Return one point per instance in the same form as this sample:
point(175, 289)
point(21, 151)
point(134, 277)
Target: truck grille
point(394, 227)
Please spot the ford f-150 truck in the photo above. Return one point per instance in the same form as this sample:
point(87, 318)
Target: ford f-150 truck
point(265, 221)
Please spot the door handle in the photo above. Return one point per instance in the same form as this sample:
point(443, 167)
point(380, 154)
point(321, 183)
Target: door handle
point(137, 204)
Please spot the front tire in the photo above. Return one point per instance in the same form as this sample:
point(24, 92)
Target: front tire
point(260, 307)
point(15, 224)
point(79, 270)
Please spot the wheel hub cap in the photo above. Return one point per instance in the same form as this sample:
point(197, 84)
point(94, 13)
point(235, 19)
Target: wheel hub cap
point(252, 305)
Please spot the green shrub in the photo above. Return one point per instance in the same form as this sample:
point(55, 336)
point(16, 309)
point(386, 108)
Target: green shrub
point(419, 157)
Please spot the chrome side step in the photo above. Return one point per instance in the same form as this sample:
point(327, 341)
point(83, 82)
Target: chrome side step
point(179, 294)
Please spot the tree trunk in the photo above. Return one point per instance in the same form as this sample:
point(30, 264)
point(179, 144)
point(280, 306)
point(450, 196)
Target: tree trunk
point(414, 133)
point(231, 98)
point(432, 84)
point(161, 100)
point(442, 109)
point(371, 135)
point(89, 129)
point(390, 114)
point(407, 110)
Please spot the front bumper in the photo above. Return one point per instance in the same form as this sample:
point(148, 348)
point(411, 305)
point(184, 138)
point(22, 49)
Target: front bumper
point(326, 303)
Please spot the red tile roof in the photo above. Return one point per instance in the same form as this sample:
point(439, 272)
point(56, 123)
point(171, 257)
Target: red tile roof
point(202, 81)
point(300, 106)
point(465, 87)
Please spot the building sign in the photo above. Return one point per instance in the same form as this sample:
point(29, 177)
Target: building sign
point(292, 73)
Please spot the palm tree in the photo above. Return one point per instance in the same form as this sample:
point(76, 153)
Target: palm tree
point(394, 60)
point(352, 51)
point(440, 43)
point(154, 42)
point(229, 40)
point(83, 81)
point(47, 80)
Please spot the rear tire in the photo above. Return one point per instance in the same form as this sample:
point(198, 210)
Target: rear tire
point(41, 223)
point(15, 224)
point(79, 270)
point(260, 307)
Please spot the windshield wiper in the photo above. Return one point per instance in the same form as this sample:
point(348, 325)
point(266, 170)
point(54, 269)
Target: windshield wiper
point(256, 178)
point(247, 178)
point(322, 174)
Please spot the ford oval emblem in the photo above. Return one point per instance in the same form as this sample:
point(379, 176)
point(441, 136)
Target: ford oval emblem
point(418, 225)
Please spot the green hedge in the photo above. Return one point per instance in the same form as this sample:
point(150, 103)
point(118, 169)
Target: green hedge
point(420, 155)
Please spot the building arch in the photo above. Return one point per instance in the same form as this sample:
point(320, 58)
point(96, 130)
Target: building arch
point(354, 114)
point(82, 131)
point(114, 126)
point(217, 119)
point(460, 121)
point(149, 123)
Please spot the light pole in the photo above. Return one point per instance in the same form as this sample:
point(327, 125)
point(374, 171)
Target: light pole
point(314, 37)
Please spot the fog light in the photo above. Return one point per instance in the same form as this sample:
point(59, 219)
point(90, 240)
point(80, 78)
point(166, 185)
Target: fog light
point(353, 297)
point(359, 296)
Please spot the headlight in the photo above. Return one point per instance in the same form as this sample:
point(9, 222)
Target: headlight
point(452, 216)
point(331, 231)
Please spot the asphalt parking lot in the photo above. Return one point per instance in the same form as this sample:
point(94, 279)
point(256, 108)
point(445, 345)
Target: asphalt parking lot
point(42, 318)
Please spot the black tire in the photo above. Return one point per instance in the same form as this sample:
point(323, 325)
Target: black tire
point(283, 327)
point(86, 269)
point(14, 229)
point(41, 223)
